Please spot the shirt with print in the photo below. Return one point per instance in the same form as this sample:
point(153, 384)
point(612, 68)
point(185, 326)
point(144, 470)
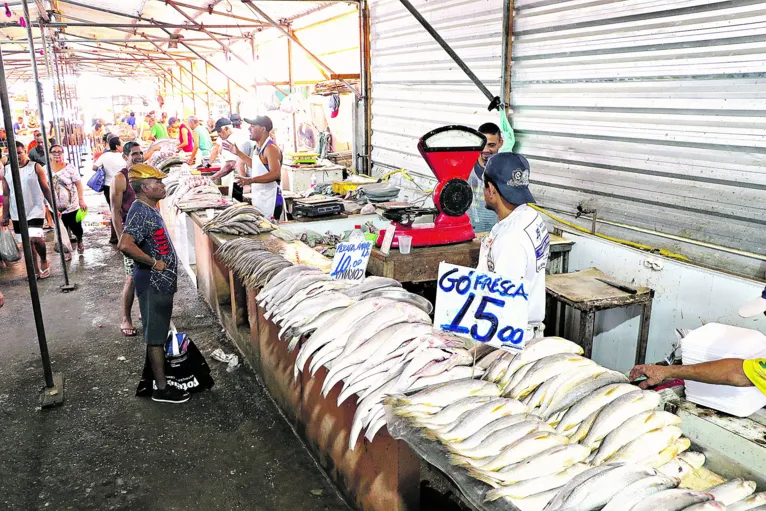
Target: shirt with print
point(145, 225)
point(517, 248)
point(65, 186)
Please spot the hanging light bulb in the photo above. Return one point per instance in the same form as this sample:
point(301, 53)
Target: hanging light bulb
point(8, 12)
point(22, 22)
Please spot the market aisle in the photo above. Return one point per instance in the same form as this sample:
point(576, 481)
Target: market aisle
point(105, 449)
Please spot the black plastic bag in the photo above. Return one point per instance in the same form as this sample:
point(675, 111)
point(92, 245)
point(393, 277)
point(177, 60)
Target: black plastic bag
point(188, 372)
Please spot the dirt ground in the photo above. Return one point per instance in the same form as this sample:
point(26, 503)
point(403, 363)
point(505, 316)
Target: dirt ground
point(226, 449)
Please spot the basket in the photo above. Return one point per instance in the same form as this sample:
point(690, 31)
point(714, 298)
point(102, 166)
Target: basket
point(343, 187)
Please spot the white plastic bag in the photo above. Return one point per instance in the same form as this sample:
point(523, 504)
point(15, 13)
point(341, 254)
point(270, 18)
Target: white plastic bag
point(9, 251)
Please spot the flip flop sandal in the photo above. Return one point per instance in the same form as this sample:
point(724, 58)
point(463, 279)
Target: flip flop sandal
point(44, 274)
point(129, 332)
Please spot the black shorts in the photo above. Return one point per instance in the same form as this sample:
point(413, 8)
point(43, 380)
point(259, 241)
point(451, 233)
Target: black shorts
point(156, 311)
point(35, 222)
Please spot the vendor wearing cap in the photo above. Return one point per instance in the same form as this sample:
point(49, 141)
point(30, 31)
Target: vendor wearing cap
point(737, 372)
point(266, 165)
point(518, 244)
point(226, 131)
point(146, 240)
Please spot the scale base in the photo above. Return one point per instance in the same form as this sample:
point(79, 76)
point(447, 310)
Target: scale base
point(428, 235)
point(68, 288)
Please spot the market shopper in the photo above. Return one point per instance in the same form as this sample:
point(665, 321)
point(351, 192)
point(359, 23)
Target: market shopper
point(737, 372)
point(157, 130)
point(186, 141)
point(266, 164)
point(232, 163)
point(112, 162)
point(482, 218)
point(37, 140)
point(122, 199)
point(145, 239)
point(236, 121)
point(69, 193)
point(202, 142)
point(35, 191)
point(37, 153)
point(518, 245)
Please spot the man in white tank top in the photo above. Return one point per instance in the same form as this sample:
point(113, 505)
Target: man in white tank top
point(36, 191)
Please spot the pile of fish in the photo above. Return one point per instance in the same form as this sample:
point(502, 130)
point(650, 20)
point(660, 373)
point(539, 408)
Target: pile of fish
point(251, 261)
point(197, 192)
point(373, 345)
point(240, 219)
point(549, 429)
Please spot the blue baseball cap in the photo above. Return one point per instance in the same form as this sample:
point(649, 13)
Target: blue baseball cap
point(509, 172)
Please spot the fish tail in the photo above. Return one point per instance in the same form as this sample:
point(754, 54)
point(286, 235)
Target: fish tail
point(493, 495)
point(483, 477)
point(457, 459)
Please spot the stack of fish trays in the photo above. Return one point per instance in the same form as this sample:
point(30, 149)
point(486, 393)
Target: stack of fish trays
point(715, 342)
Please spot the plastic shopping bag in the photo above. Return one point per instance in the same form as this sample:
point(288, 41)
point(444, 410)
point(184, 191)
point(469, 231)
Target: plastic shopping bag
point(97, 181)
point(9, 251)
point(509, 138)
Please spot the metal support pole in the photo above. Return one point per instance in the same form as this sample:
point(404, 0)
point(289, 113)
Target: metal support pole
point(54, 104)
point(25, 240)
point(366, 84)
point(292, 90)
point(507, 53)
point(228, 93)
point(194, 99)
point(292, 37)
point(74, 105)
point(39, 96)
point(62, 110)
point(494, 100)
point(207, 79)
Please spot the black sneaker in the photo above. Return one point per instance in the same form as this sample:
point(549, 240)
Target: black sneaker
point(170, 395)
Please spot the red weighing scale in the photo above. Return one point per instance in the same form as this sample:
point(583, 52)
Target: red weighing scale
point(450, 152)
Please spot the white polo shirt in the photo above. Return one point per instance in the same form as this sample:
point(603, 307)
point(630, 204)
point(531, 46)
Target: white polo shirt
point(518, 247)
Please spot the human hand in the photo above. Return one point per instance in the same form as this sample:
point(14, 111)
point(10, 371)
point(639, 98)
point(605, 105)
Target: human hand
point(83, 206)
point(232, 148)
point(159, 265)
point(242, 181)
point(654, 374)
point(190, 161)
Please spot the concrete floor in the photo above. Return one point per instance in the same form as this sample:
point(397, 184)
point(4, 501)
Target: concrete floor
point(226, 449)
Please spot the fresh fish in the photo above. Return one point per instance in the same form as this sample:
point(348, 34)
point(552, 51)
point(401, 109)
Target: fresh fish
point(599, 489)
point(511, 379)
point(629, 431)
point(535, 486)
point(456, 373)
point(544, 369)
point(592, 402)
point(525, 447)
point(753, 502)
point(583, 429)
point(676, 467)
point(673, 500)
point(639, 490)
point(668, 454)
point(583, 390)
point(448, 393)
point(646, 445)
point(565, 491)
point(710, 505)
point(372, 283)
point(494, 443)
point(551, 461)
point(732, 491)
point(339, 330)
point(490, 358)
point(496, 370)
point(541, 348)
point(327, 317)
point(618, 411)
point(565, 382)
point(449, 413)
point(478, 418)
point(289, 289)
point(478, 438)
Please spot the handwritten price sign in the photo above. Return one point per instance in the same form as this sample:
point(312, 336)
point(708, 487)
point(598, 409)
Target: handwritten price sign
point(350, 262)
point(485, 307)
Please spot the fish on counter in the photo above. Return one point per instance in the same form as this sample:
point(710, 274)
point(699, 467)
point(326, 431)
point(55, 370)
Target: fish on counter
point(733, 490)
point(240, 219)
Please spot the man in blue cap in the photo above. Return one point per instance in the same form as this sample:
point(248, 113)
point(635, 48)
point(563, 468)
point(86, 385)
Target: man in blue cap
point(518, 245)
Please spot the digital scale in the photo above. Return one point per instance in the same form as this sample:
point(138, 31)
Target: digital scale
point(317, 207)
point(450, 152)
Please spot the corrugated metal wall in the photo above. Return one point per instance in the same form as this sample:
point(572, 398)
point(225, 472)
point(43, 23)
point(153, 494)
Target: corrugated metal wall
point(416, 87)
point(652, 112)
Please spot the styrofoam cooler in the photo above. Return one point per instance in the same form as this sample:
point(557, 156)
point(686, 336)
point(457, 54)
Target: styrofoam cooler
point(715, 341)
point(299, 178)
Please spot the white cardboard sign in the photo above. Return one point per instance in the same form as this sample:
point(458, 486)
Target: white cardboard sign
point(350, 261)
point(484, 307)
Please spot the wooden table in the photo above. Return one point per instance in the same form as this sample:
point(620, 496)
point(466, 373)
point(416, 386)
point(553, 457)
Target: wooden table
point(422, 263)
point(581, 291)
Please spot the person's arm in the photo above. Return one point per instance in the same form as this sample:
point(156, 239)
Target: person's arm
point(116, 191)
point(275, 167)
point(6, 204)
point(225, 170)
point(128, 247)
point(214, 152)
point(43, 183)
point(83, 204)
point(233, 148)
point(98, 162)
point(195, 146)
point(728, 371)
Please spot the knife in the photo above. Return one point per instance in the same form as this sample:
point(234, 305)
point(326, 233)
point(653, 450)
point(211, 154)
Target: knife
point(622, 287)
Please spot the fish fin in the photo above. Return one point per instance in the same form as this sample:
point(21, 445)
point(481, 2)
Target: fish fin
point(483, 477)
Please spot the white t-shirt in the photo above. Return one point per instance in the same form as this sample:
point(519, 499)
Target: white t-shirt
point(518, 247)
point(113, 163)
point(241, 139)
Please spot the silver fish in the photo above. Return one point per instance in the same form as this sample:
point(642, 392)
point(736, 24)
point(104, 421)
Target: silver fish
point(588, 397)
point(630, 429)
point(551, 461)
point(752, 502)
point(564, 492)
point(494, 443)
point(531, 487)
point(732, 491)
point(618, 411)
point(672, 500)
point(639, 490)
point(599, 489)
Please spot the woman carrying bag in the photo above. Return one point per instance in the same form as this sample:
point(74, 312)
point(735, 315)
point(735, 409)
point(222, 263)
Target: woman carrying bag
point(69, 194)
